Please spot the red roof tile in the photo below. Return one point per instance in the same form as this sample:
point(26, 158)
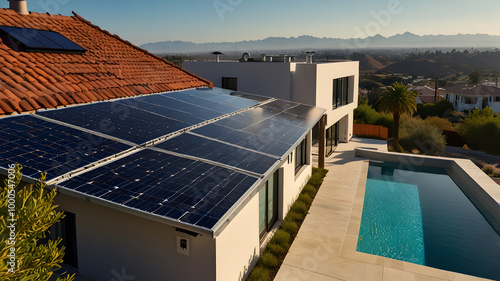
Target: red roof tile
point(111, 67)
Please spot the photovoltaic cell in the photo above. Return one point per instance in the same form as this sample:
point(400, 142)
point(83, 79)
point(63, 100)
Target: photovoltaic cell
point(41, 146)
point(39, 40)
point(118, 120)
point(196, 146)
point(189, 191)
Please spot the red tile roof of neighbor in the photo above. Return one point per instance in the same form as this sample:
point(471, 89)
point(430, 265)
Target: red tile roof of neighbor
point(110, 68)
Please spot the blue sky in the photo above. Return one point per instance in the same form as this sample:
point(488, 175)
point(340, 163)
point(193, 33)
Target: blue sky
point(235, 20)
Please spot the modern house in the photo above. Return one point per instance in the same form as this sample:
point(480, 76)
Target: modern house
point(426, 94)
point(333, 86)
point(467, 97)
point(161, 175)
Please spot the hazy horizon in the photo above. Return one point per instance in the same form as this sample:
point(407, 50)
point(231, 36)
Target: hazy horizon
point(202, 21)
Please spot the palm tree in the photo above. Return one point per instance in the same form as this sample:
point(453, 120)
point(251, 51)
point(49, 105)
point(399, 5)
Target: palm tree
point(398, 100)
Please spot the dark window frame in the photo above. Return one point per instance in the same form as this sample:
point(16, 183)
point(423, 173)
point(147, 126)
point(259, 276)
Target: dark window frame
point(340, 92)
point(270, 221)
point(332, 135)
point(300, 155)
point(230, 83)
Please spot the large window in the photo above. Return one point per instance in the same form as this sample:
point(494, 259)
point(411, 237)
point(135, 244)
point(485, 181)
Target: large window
point(301, 155)
point(468, 100)
point(332, 139)
point(268, 205)
point(497, 99)
point(230, 83)
point(341, 92)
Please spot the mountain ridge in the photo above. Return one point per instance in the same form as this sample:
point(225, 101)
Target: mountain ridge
point(400, 40)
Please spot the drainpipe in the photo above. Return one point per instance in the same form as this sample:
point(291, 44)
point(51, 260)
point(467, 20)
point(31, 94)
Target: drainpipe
point(20, 6)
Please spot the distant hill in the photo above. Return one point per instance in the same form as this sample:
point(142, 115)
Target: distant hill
point(421, 67)
point(405, 40)
point(366, 62)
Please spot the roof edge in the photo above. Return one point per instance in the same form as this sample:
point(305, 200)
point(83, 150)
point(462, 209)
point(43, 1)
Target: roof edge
point(78, 17)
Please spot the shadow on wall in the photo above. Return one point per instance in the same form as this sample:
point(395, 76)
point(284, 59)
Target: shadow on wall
point(248, 268)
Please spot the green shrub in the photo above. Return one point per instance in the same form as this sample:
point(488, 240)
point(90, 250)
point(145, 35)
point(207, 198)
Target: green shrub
point(276, 249)
point(290, 226)
point(481, 129)
point(309, 189)
point(282, 238)
point(385, 120)
point(418, 134)
point(293, 216)
point(299, 208)
point(441, 108)
point(440, 123)
point(316, 179)
point(365, 114)
point(304, 197)
point(259, 273)
point(269, 260)
point(491, 170)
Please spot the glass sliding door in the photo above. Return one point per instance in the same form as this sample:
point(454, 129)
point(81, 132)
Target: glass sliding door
point(332, 139)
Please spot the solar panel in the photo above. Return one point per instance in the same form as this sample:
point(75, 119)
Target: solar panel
point(177, 115)
point(196, 146)
point(41, 40)
point(118, 120)
point(41, 146)
point(169, 102)
point(259, 142)
point(250, 96)
point(189, 191)
point(62, 41)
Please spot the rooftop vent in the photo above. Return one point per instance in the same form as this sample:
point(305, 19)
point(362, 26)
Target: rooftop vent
point(217, 55)
point(267, 58)
point(309, 56)
point(20, 6)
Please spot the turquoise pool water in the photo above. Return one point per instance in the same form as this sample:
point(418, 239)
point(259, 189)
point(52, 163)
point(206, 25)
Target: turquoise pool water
point(420, 215)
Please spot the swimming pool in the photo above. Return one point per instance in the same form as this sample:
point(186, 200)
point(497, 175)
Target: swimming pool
point(420, 215)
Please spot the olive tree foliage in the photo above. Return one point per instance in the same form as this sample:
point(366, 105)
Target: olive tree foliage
point(26, 214)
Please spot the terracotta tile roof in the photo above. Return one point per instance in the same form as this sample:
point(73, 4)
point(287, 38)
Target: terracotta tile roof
point(110, 68)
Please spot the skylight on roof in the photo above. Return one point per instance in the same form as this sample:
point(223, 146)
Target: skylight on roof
point(34, 40)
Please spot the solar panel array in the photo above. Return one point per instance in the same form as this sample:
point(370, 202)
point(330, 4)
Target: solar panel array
point(193, 173)
point(41, 40)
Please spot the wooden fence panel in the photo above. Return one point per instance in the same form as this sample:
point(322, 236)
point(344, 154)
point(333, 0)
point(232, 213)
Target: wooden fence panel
point(371, 130)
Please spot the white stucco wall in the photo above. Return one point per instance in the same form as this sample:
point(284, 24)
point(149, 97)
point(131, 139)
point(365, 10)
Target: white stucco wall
point(324, 75)
point(274, 78)
point(238, 246)
point(495, 106)
point(110, 240)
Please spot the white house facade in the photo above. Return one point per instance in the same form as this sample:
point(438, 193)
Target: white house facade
point(465, 98)
point(332, 86)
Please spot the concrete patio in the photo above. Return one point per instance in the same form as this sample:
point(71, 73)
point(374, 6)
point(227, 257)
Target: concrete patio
point(325, 247)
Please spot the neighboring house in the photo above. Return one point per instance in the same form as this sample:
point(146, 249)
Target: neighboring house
point(161, 176)
point(467, 97)
point(426, 94)
point(333, 86)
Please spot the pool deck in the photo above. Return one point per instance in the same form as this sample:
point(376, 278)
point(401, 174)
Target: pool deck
point(325, 247)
